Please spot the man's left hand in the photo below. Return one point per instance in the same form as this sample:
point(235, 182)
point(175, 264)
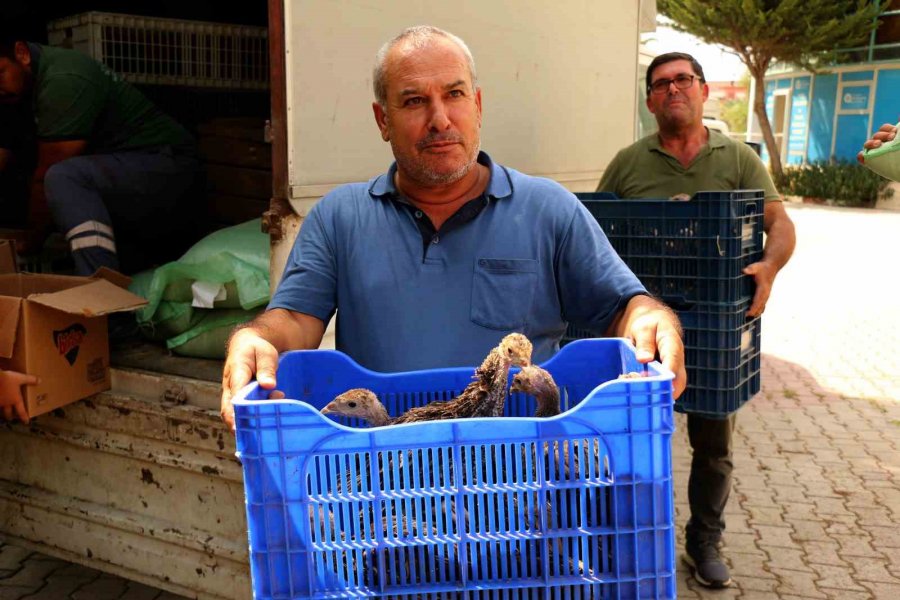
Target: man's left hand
point(764, 275)
point(654, 328)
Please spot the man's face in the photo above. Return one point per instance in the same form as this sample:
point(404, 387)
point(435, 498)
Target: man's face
point(15, 75)
point(432, 116)
point(677, 107)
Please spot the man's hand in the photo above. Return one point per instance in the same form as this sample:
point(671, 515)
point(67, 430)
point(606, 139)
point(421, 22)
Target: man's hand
point(764, 274)
point(253, 350)
point(11, 400)
point(885, 133)
point(248, 355)
point(654, 328)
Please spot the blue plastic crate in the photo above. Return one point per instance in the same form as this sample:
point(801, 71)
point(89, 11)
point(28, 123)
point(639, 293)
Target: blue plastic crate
point(686, 252)
point(715, 317)
point(722, 353)
point(719, 403)
point(709, 375)
point(462, 508)
point(721, 349)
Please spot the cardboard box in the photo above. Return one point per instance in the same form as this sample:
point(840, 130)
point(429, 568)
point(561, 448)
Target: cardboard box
point(54, 327)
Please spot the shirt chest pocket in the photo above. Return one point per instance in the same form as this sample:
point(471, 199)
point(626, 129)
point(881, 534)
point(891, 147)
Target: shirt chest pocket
point(503, 291)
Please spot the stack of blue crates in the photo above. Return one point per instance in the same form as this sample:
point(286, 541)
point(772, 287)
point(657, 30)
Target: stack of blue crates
point(692, 255)
point(574, 506)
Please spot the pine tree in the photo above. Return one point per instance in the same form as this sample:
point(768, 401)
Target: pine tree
point(798, 32)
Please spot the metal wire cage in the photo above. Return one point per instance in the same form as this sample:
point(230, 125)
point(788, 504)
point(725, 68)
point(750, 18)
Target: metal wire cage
point(152, 50)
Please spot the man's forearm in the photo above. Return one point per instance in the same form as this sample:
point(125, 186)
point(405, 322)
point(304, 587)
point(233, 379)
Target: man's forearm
point(780, 242)
point(780, 236)
point(288, 330)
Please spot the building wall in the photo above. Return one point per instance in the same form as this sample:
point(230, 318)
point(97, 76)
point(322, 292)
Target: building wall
point(830, 115)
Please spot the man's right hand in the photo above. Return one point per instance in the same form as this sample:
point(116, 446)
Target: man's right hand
point(248, 355)
point(885, 133)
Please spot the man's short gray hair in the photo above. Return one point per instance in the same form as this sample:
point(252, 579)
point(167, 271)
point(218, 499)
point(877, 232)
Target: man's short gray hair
point(419, 36)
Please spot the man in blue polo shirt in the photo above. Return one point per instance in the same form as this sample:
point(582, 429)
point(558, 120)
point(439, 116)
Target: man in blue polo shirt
point(432, 263)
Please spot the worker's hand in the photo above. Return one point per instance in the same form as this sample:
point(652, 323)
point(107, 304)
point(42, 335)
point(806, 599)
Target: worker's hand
point(764, 274)
point(248, 355)
point(885, 133)
point(11, 401)
point(658, 331)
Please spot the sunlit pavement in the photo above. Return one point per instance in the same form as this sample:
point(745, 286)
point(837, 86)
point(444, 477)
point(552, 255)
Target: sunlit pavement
point(815, 509)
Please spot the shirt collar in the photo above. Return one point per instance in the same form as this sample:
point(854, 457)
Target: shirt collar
point(716, 140)
point(499, 186)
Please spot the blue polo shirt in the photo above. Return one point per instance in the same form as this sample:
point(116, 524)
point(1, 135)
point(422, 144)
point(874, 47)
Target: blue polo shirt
point(532, 260)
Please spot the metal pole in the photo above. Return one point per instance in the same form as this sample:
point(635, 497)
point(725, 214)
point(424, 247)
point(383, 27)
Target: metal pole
point(872, 34)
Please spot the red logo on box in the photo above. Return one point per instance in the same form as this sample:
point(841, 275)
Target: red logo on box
point(69, 340)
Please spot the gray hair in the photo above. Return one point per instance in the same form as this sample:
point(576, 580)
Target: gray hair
point(419, 36)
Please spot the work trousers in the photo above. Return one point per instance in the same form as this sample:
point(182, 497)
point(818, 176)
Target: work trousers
point(710, 481)
point(117, 210)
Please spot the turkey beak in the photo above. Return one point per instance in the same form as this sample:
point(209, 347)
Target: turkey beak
point(327, 410)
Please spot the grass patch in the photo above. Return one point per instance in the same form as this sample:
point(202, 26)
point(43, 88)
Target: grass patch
point(790, 394)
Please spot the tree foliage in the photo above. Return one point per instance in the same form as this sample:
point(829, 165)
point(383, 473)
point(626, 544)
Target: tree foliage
point(798, 32)
point(734, 112)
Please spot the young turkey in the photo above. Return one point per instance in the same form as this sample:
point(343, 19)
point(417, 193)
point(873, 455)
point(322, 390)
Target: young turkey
point(359, 403)
point(537, 382)
point(484, 397)
point(571, 459)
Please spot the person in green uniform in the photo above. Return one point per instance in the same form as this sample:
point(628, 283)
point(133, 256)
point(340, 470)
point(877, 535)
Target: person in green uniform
point(682, 158)
point(110, 169)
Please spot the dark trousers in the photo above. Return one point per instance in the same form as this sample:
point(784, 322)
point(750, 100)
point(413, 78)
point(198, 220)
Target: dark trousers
point(710, 482)
point(122, 210)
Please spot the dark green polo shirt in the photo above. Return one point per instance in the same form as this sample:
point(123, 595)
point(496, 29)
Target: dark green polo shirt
point(77, 98)
point(646, 170)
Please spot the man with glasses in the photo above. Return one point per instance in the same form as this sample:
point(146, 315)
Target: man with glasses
point(682, 158)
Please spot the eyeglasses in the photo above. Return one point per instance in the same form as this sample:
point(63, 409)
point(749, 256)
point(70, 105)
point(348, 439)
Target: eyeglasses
point(681, 81)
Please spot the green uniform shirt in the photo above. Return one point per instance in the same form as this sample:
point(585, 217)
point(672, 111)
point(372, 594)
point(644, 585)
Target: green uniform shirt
point(646, 170)
point(77, 98)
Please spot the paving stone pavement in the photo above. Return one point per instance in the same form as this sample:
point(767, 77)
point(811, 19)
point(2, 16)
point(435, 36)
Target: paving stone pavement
point(815, 509)
point(815, 506)
point(27, 575)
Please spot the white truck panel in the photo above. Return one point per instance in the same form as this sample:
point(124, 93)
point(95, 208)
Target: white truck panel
point(557, 82)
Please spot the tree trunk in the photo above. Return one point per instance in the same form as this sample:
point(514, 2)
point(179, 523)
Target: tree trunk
point(759, 109)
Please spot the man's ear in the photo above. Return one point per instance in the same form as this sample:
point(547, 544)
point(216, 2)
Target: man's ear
point(381, 121)
point(478, 103)
point(23, 54)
